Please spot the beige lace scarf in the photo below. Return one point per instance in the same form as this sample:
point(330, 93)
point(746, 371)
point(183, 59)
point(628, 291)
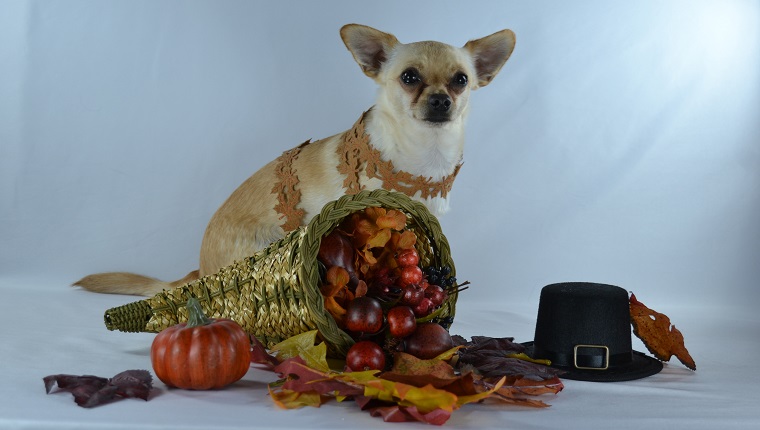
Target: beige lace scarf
point(356, 156)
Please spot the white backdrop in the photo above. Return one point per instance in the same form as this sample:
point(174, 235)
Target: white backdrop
point(619, 144)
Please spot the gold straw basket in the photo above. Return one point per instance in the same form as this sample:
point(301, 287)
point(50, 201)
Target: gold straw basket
point(275, 294)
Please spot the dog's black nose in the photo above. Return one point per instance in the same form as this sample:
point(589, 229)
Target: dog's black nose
point(440, 102)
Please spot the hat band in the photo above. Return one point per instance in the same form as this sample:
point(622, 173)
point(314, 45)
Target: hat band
point(587, 357)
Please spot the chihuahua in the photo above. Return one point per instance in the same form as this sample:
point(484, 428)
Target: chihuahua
point(411, 141)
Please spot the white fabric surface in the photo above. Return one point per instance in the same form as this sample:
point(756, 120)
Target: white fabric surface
point(619, 144)
point(59, 330)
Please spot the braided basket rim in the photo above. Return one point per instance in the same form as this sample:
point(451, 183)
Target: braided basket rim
point(330, 217)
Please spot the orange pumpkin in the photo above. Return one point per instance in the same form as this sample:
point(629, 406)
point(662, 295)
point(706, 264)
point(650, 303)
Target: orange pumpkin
point(202, 353)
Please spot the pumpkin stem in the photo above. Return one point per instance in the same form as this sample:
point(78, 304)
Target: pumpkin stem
point(195, 315)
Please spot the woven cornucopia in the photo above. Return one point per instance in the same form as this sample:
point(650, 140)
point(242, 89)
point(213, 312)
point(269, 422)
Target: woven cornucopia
point(275, 294)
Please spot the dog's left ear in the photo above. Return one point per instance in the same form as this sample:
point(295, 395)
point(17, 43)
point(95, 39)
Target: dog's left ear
point(490, 53)
point(369, 47)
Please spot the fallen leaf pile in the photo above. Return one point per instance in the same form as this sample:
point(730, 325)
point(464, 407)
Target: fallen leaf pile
point(90, 391)
point(661, 338)
point(413, 390)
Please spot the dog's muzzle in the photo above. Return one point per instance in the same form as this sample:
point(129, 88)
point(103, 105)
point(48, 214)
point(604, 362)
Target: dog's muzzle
point(439, 107)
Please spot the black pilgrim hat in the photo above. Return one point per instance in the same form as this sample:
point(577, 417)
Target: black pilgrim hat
point(584, 329)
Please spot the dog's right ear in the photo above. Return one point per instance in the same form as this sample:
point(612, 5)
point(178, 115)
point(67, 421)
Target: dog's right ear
point(369, 47)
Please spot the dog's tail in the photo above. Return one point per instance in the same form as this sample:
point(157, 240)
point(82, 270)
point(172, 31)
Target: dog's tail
point(130, 283)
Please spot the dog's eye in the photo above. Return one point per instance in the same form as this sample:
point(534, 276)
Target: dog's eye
point(410, 77)
point(460, 79)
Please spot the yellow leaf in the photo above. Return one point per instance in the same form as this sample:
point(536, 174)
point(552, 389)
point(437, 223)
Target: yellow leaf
point(379, 239)
point(463, 400)
point(523, 356)
point(359, 377)
point(316, 357)
point(425, 399)
point(288, 399)
point(302, 345)
point(447, 355)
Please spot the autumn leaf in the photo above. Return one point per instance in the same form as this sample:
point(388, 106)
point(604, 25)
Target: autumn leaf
point(361, 289)
point(407, 364)
point(476, 397)
point(260, 356)
point(393, 220)
point(518, 391)
point(524, 356)
point(302, 378)
point(379, 239)
point(425, 399)
point(410, 370)
point(397, 414)
point(414, 390)
point(495, 357)
point(336, 293)
point(288, 399)
point(661, 338)
point(302, 345)
point(407, 240)
point(373, 213)
point(337, 277)
point(90, 391)
point(362, 229)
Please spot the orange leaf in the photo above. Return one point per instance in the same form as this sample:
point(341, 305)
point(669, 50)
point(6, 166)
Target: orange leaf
point(393, 219)
point(338, 277)
point(337, 311)
point(374, 212)
point(379, 239)
point(330, 290)
point(661, 338)
point(369, 257)
point(407, 240)
point(363, 229)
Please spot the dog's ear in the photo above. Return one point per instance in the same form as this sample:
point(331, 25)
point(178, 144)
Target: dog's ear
point(369, 47)
point(490, 53)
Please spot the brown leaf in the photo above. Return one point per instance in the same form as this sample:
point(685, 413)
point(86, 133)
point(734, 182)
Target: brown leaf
point(518, 390)
point(661, 338)
point(407, 364)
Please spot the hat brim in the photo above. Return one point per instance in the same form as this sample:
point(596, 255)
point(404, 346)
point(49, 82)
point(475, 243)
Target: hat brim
point(641, 366)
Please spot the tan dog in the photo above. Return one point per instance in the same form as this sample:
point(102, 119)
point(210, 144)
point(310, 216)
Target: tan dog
point(411, 141)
